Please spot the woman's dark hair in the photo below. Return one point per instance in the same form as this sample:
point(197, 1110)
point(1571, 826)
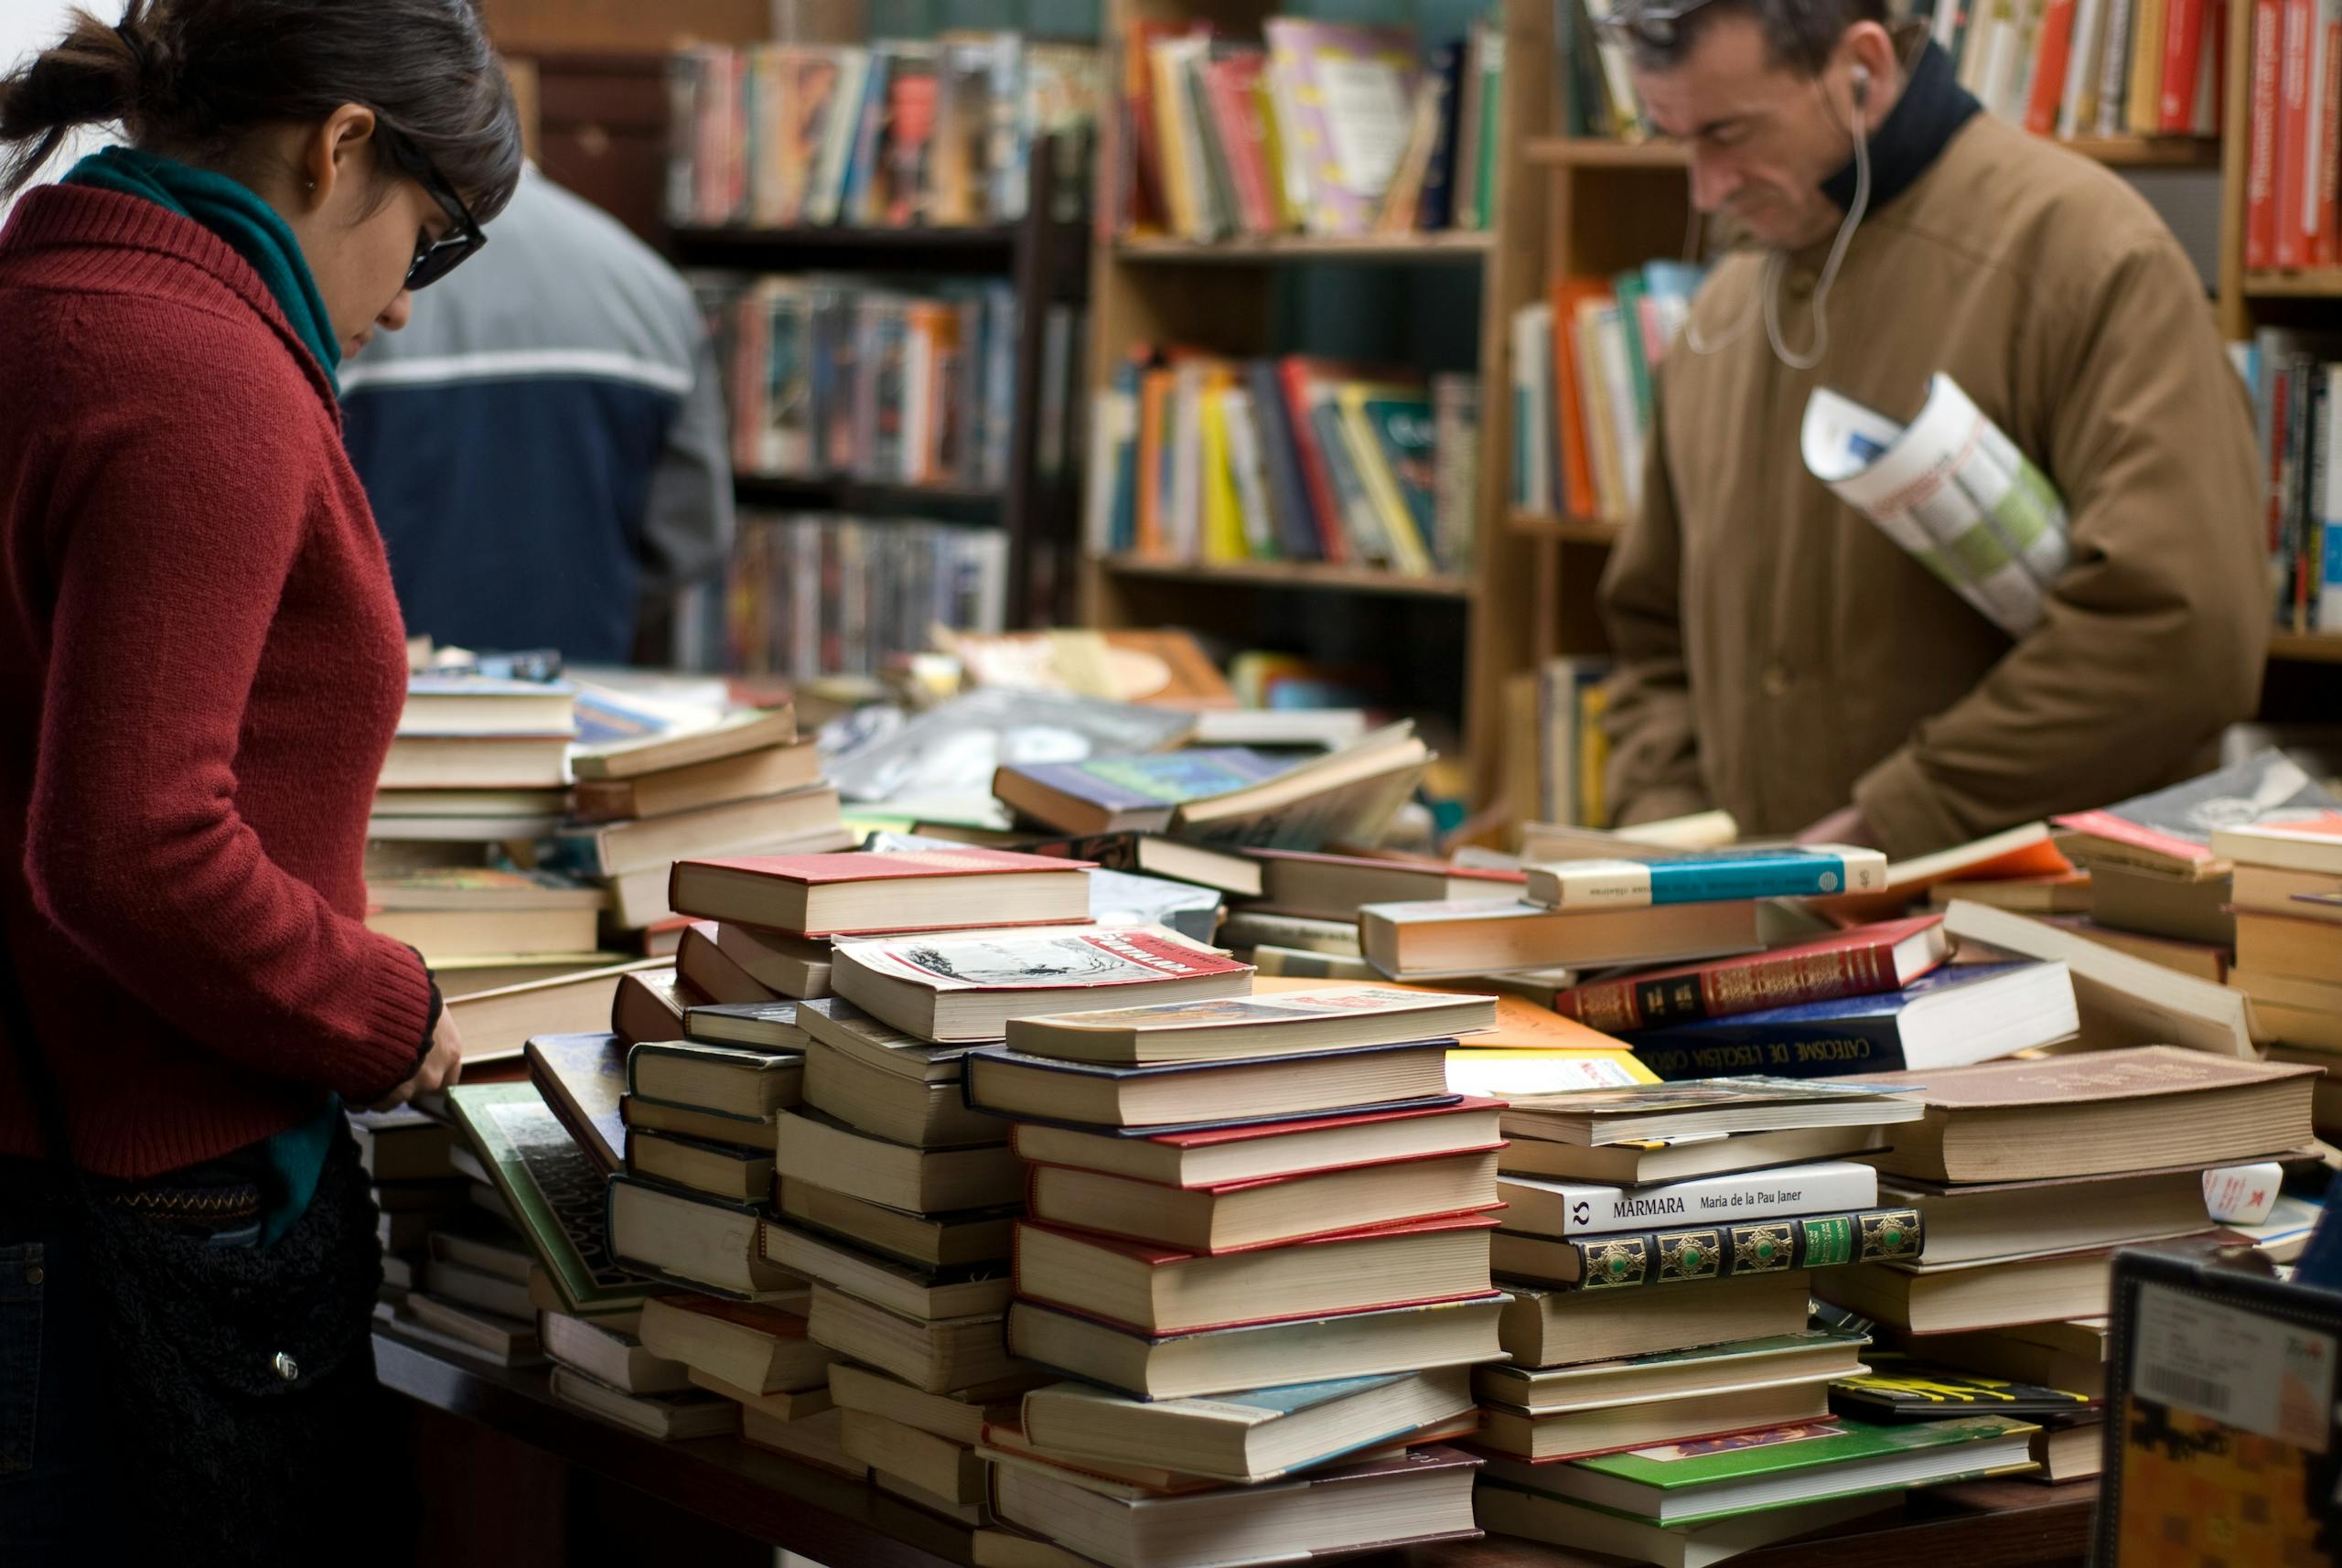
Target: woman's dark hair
point(190, 78)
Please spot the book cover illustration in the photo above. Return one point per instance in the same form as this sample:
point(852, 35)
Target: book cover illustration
point(1905, 1387)
point(555, 1188)
point(1032, 959)
point(1165, 778)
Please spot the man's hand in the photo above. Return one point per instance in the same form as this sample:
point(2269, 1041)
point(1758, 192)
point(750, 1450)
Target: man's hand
point(442, 1066)
point(1845, 825)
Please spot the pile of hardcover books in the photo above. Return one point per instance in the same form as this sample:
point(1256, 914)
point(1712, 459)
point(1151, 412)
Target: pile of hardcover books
point(1258, 1235)
point(2026, 1176)
point(1661, 1254)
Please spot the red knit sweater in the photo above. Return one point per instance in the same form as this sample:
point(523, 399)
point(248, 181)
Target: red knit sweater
point(201, 664)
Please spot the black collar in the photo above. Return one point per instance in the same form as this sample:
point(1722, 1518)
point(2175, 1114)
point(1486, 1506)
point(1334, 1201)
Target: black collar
point(1933, 106)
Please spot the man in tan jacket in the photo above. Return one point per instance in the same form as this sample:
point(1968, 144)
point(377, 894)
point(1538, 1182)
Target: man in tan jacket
point(1778, 655)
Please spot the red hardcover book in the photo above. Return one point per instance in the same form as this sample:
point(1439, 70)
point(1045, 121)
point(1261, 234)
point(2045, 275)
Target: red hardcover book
point(1230, 84)
point(2294, 144)
point(2261, 157)
point(2055, 46)
point(2183, 58)
point(1299, 373)
point(1164, 1290)
point(1864, 962)
point(1199, 1157)
point(784, 892)
point(2324, 244)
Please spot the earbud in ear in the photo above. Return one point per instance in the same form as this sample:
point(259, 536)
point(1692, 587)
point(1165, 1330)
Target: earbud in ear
point(1862, 87)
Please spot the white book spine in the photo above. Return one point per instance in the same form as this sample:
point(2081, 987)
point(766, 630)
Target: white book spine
point(1829, 1186)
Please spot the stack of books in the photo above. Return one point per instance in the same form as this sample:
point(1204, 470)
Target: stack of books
point(407, 1159)
point(2027, 1174)
point(1662, 1244)
point(821, 594)
point(903, 133)
point(477, 760)
point(746, 785)
point(1258, 1235)
point(483, 928)
point(1227, 797)
point(2158, 890)
point(1196, 456)
point(1319, 127)
point(1582, 366)
point(1601, 914)
point(2287, 902)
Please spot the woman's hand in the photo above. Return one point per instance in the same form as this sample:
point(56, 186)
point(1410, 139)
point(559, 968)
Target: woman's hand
point(442, 1066)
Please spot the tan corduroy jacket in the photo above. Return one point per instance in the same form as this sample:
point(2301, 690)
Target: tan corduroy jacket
point(1779, 656)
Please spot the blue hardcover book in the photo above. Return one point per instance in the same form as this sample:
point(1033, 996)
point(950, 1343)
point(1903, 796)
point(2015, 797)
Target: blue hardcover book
point(1706, 878)
point(1139, 793)
point(1437, 210)
point(1950, 1017)
point(1296, 525)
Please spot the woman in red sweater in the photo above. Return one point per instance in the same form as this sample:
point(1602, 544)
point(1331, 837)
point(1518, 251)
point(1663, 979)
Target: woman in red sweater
point(201, 664)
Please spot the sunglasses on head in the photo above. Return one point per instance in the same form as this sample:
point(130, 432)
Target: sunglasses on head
point(1653, 23)
point(434, 259)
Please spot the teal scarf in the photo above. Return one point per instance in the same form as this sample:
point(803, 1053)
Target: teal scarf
point(251, 227)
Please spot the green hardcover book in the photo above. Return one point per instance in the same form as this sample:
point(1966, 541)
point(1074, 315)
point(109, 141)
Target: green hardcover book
point(1674, 1256)
point(555, 1191)
point(1405, 428)
point(1691, 1483)
point(1905, 1387)
point(1629, 289)
point(1484, 189)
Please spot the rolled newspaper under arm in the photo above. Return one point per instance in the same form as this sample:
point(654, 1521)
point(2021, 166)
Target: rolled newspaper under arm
point(1951, 489)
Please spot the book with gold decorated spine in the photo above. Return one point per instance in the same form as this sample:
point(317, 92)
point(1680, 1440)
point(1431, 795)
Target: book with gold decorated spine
point(1685, 1253)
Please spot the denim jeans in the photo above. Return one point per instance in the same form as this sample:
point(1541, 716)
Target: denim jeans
point(53, 1486)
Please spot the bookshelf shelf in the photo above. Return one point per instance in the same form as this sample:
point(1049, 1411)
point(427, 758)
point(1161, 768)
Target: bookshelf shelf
point(2306, 646)
point(2311, 283)
point(1566, 529)
point(2115, 152)
point(942, 503)
point(990, 249)
point(1305, 574)
point(1423, 249)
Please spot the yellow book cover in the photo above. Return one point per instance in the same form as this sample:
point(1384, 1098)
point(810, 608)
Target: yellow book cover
point(1602, 444)
point(1593, 755)
point(1409, 553)
point(1223, 513)
point(2142, 103)
point(1170, 136)
point(1272, 155)
point(1505, 1072)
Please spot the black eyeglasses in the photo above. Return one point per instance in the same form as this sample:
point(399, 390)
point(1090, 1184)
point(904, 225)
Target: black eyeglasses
point(434, 259)
point(1651, 22)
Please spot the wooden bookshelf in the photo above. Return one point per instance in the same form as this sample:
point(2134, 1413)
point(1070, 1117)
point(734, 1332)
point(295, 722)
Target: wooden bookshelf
point(1564, 530)
point(2311, 283)
point(1465, 247)
point(2306, 646)
point(1224, 296)
point(1046, 259)
point(1316, 576)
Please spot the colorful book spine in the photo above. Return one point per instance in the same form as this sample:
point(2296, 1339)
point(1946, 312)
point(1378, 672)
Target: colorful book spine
point(1762, 1247)
point(1629, 884)
point(1724, 990)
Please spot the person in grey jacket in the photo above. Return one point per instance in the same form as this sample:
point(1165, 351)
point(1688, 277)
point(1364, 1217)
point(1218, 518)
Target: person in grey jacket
point(545, 444)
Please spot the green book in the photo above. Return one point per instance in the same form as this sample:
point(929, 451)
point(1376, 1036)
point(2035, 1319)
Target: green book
point(1629, 289)
point(555, 1191)
point(1622, 1260)
point(1717, 1477)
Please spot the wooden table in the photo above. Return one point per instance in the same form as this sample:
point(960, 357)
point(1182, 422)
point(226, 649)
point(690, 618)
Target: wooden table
point(770, 1498)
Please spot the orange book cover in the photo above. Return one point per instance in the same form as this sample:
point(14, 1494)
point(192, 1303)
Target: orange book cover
point(1154, 388)
point(1569, 397)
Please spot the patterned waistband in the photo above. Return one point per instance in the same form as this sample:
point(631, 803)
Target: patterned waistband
point(207, 1207)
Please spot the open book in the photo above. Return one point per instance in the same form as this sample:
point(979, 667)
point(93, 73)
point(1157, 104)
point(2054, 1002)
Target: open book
point(1951, 489)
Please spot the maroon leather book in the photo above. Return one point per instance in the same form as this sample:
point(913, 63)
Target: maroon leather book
point(1864, 962)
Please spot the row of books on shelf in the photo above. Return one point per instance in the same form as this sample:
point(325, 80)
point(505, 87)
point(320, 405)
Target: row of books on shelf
point(1103, 1238)
point(1317, 127)
point(2064, 68)
point(2295, 138)
point(823, 595)
point(889, 383)
point(2289, 374)
point(901, 133)
point(1196, 457)
point(1582, 362)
